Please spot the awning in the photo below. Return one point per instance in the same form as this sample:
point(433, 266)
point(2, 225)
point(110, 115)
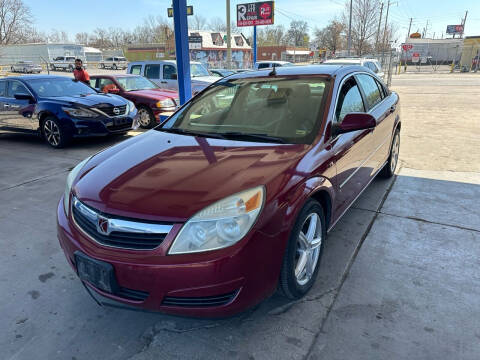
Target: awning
point(298, 52)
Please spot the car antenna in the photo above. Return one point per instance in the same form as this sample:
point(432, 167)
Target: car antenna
point(274, 71)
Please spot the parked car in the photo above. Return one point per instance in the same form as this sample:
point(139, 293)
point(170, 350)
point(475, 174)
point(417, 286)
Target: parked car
point(269, 64)
point(115, 62)
point(152, 102)
point(65, 63)
point(372, 64)
point(26, 67)
point(164, 74)
point(221, 72)
point(59, 109)
point(232, 197)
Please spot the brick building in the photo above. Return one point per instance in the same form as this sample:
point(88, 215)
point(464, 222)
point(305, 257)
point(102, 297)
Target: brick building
point(284, 53)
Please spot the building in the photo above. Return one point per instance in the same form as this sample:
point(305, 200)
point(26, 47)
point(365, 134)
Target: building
point(210, 48)
point(471, 49)
point(43, 53)
point(434, 50)
point(284, 53)
point(140, 52)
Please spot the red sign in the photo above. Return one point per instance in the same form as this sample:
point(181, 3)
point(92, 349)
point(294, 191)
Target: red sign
point(416, 55)
point(257, 13)
point(407, 47)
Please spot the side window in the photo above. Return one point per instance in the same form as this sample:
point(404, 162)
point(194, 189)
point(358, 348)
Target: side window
point(263, 65)
point(169, 71)
point(382, 89)
point(136, 69)
point(371, 66)
point(370, 89)
point(105, 84)
point(93, 82)
point(152, 71)
point(349, 100)
point(3, 88)
point(16, 87)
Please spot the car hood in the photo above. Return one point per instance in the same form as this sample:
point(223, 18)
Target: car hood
point(154, 94)
point(89, 100)
point(167, 177)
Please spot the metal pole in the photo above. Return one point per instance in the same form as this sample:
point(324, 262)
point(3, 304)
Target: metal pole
point(349, 45)
point(181, 50)
point(254, 44)
point(463, 23)
point(409, 27)
point(378, 30)
point(229, 37)
point(385, 33)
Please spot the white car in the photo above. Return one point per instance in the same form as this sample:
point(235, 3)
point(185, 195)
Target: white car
point(26, 67)
point(269, 64)
point(66, 63)
point(114, 62)
point(164, 74)
point(372, 64)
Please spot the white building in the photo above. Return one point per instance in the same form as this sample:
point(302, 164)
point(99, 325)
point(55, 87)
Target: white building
point(434, 50)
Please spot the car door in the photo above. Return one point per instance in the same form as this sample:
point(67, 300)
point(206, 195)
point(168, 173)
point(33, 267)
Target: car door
point(18, 112)
point(152, 72)
point(169, 76)
point(351, 150)
point(3, 99)
point(382, 109)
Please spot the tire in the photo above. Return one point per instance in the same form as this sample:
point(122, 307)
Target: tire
point(54, 134)
point(12, 69)
point(70, 68)
point(114, 67)
point(389, 168)
point(102, 66)
point(295, 279)
point(146, 118)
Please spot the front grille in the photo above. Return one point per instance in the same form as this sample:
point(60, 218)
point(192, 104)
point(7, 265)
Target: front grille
point(129, 294)
point(120, 239)
point(205, 301)
point(120, 124)
point(110, 110)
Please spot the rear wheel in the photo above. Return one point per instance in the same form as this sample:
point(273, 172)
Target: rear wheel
point(114, 66)
point(12, 69)
point(54, 134)
point(146, 117)
point(70, 67)
point(389, 168)
point(304, 250)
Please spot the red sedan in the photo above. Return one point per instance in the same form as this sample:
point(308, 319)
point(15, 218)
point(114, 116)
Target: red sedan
point(233, 196)
point(152, 102)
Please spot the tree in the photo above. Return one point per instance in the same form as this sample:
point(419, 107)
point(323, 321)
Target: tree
point(364, 23)
point(271, 35)
point(217, 24)
point(296, 33)
point(331, 37)
point(15, 21)
point(101, 38)
point(198, 23)
point(81, 38)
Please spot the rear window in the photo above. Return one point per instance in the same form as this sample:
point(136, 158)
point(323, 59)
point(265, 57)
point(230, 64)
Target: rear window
point(152, 71)
point(136, 69)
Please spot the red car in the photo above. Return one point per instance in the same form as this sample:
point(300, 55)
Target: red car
point(233, 196)
point(152, 102)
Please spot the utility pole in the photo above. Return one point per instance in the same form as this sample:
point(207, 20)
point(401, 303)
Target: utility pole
point(409, 28)
point(349, 44)
point(385, 33)
point(463, 23)
point(425, 30)
point(378, 30)
point(229, 38)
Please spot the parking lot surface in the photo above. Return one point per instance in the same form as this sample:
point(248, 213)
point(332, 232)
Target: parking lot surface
point(400, 276)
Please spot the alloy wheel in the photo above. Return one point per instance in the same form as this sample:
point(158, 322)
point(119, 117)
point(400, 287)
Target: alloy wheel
point(144, 117)
point(52, 132)
point(395, 152)
point(308, 248)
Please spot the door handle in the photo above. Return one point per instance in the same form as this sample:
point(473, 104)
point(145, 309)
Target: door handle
point(393, 108)
point(163, 82)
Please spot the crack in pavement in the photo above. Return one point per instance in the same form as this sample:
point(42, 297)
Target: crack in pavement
point(33, 180)
point(280, 310)
point(349, 265)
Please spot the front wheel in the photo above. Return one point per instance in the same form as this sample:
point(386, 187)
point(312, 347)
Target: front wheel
point(304, 250)
point(114, 67)
point(389, 168)
point(146, 118)
point(54, 134)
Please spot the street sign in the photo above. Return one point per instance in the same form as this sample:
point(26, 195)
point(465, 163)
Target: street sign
point(257, 13)
point(407, 47)
point(194, 42)
point(454, 29)
point(189, 11)
point(415, 57)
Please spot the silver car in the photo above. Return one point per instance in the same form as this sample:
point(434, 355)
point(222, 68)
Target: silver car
point(27, 67)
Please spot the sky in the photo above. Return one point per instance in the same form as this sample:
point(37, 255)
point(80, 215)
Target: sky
point(126, 14)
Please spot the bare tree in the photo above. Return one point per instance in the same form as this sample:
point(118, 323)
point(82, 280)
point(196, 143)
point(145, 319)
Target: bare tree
point(271, 35)
point(217, 24)
point(15, 21)
point(331, 37)
point(53, 36)
point(116, 37)
point(364, 23)
point(297, 32)
point(198, 22)
point(81, 38)
point(101, 38)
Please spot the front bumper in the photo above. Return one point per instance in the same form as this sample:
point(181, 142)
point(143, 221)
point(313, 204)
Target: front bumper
point(247, 271)
point(102, 126)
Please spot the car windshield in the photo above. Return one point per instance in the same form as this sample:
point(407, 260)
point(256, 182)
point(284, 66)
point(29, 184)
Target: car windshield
point(132, 83)
point(284, 110)
point(198, 70)
point(54, 87)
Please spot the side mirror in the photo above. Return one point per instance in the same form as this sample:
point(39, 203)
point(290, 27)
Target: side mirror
point(356, 121)
point(24, 97)
point(114, 91)
point(174, 76)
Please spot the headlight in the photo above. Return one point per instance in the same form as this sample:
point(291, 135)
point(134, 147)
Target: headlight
point(220, 225)
point(131, 106)
point(165, 103)
point(71, 176)
point(80, 112)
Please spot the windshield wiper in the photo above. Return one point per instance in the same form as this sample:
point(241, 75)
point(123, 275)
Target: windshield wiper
point(191, 133)
point(256, 137)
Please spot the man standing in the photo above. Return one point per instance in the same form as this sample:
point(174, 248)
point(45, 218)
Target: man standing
point(80, 73)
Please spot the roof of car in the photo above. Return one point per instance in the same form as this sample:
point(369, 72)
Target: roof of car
point(159, 62)
point(114, 75)
point(33, 77)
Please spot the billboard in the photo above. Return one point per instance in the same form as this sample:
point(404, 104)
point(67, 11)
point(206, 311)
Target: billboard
point(257, 13)
point(454, 29)
point(194, 42)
